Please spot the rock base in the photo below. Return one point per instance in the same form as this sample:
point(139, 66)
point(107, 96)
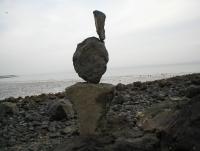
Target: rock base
point(89, 101)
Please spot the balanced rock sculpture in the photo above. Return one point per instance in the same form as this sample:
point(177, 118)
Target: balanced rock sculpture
point(90, 99)
point(91, 57)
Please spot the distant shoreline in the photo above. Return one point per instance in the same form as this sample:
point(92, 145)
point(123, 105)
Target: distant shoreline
point(7, 76)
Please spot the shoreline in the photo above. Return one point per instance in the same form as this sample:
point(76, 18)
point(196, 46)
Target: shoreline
point(28, 88)
point(31, 122)
point(7, 76)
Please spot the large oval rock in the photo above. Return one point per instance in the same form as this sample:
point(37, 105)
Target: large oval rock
point(90, 59)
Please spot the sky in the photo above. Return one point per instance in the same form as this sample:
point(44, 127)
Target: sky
point(41, 36)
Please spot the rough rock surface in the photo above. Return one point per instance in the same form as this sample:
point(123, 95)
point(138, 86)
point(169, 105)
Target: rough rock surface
point(31, 127)
point(89, 101)
point(60, 110)
point(90, 59)
point(99, 18)
point(8, 108)
point(149, 116)
point(177, 123)
point(160, 115)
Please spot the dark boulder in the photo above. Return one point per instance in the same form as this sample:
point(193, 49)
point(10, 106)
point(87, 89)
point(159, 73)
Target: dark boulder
point(90, 59)
point(8, 108)
point(177, 123)
point(61, 109)
point(193, 91)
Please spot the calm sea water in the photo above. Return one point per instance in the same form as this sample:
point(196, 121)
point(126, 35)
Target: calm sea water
point(24, 85)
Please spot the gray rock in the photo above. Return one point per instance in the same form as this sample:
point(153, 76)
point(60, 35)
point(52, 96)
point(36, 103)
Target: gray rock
point(148, 142)
point(89, 101)
point(52, 126)
point(90, 59)
point(54, 135)
point(32, 116)
point(8, 108)
point(67, 130)
point(87, 143)
point(99, 18)
point(177, 123)
point(120, 87)
point(60, 110)
point(193, 91)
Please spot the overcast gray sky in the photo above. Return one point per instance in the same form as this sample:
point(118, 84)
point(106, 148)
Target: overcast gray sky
point(40, 36)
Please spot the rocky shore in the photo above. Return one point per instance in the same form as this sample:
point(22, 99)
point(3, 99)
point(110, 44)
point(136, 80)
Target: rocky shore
point(162, 115)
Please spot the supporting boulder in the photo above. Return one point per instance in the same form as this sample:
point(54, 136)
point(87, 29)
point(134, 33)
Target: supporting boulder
point(89, 101)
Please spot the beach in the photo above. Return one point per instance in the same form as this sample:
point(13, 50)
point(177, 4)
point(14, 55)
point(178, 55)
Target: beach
point(32, 123)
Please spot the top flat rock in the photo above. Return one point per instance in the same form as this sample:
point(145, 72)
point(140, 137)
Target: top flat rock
point(99, 18)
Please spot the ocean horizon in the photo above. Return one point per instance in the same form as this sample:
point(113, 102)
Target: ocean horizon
point(35, 84)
